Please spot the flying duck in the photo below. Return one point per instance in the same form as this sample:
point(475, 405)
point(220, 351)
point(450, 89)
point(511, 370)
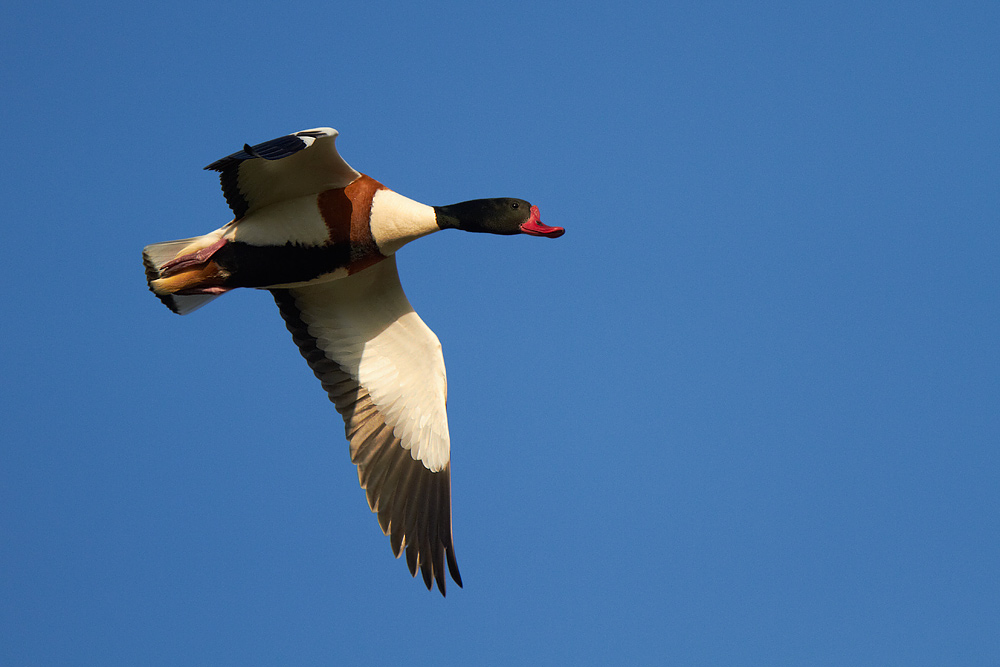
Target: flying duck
point(322, 238)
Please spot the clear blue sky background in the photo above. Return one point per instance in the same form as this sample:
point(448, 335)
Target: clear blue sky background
point(746, 411)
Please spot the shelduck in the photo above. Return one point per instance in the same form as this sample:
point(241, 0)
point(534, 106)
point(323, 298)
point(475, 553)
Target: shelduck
point(322, 238)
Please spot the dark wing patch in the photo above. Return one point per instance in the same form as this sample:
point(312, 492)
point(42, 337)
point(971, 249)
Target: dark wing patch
point(275, 149)
point(413, 504)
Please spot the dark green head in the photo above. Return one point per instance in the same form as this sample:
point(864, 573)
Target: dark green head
point(495, 216)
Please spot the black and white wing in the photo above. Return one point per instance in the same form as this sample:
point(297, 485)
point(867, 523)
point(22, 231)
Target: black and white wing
point(383, 369)
point(291, 166)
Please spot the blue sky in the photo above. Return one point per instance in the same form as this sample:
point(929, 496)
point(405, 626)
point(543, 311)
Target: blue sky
point(744, 412)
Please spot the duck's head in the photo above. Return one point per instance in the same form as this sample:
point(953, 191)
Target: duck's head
point(495, 216)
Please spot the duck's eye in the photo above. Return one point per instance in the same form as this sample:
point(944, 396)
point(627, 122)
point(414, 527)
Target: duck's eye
point(513, 205)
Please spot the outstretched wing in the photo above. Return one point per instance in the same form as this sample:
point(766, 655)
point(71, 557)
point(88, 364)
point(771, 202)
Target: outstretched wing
point(291, 166)
point(383, 369)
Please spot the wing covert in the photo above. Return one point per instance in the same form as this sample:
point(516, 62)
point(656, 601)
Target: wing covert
point(291, 166)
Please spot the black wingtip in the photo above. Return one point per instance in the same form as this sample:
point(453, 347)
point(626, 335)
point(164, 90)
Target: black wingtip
point(428, 574)
point(411, 559)
point(453, 567)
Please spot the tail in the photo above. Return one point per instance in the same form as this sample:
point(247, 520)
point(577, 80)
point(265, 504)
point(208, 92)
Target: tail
point(181, 274)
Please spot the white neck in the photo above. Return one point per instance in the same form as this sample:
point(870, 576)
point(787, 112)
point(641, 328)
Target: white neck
point(396, 220)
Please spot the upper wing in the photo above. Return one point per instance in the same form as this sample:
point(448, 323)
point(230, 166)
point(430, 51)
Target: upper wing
point(383, 369)
point(284, 168)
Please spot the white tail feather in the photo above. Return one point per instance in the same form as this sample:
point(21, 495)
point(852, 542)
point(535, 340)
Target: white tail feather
point(156, 255)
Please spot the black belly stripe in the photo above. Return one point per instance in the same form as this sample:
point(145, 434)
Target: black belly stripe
point(261, 266)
